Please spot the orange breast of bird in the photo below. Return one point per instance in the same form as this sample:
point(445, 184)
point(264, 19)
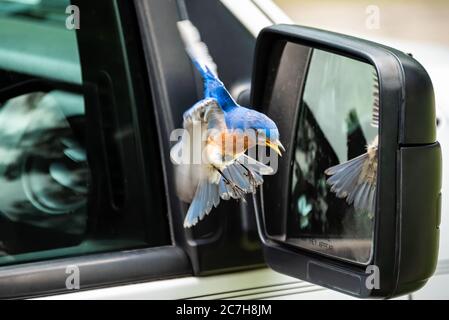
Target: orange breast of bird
point(232, 143)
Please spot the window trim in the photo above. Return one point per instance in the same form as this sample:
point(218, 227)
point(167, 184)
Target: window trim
point(96, 271)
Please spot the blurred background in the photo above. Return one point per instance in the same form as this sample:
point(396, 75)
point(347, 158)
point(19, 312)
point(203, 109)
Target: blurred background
point(416, 20)
point(418, 27)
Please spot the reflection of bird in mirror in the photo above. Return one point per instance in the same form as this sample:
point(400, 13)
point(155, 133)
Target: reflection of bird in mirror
point(224, 170)
point(356, 179)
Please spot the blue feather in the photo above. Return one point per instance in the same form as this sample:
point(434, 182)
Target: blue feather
point(236, 116)
point(241, 176)
point(214, 88)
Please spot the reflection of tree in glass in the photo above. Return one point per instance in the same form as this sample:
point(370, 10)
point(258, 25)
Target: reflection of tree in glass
point(317, 214)
point(352, 122)
point(356, 179)
point(304, 208)
point(328, 215)
point(313, 154)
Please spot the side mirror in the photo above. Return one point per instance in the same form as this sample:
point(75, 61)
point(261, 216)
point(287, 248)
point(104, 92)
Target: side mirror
point(355, 205)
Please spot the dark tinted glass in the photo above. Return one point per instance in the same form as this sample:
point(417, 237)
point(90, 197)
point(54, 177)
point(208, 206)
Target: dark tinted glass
point(55, 200)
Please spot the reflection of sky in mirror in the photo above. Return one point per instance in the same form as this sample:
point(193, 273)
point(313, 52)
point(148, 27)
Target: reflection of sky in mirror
point(333, 91)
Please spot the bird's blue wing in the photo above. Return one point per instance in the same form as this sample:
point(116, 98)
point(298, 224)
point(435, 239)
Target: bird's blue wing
point(204, 113)
point(203, 62)
point(194, 181)
point(206, 197)
point(207, 111)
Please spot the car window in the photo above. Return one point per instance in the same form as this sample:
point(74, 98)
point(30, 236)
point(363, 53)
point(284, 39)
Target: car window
point(54, 179)
point(35, 41)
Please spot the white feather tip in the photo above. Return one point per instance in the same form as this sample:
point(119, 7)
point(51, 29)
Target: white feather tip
point(195, 48)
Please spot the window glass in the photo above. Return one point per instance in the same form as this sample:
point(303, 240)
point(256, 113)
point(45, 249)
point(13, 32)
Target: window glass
point(35, 40)
point(53, 200)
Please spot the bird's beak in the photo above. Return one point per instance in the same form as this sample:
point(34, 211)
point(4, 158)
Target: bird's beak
point(276, 145)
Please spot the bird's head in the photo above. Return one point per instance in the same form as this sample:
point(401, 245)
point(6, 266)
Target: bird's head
point(267, 131)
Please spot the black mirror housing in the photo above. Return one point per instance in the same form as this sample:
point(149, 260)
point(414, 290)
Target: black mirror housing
point(408, 204)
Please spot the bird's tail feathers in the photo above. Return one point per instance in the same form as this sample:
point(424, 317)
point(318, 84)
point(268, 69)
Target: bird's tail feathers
point(196, 49)
point(206, 197)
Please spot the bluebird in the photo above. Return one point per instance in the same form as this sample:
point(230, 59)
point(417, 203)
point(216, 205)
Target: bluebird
point(356, 179)
point(225, 171)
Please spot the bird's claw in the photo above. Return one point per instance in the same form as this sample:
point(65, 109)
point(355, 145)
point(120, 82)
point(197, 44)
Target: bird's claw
point(251, 178)
point(239, 192)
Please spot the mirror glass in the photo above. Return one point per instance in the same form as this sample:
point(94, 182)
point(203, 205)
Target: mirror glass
point(333, 179)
